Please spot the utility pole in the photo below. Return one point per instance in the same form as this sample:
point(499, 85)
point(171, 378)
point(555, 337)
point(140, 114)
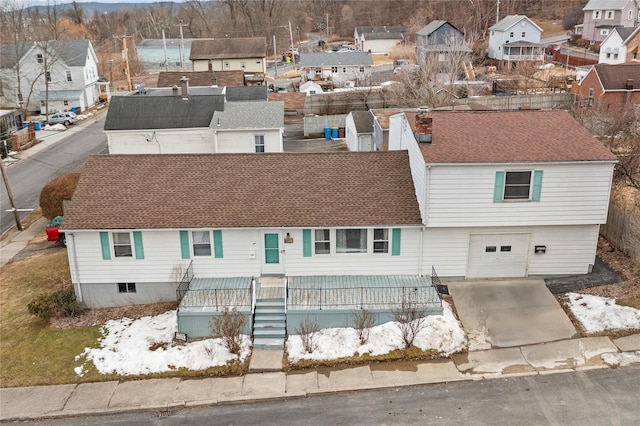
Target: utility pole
point(125, 53)
point(181, 45)
point(164, 44)
point(275, 56)
point(10, 194)
point(498, 11)
point(293, 55)
point(327, 28)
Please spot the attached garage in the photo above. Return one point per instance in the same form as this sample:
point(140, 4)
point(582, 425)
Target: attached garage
point(498, 255)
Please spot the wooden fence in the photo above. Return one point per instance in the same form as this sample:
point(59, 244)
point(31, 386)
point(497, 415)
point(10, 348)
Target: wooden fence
point(574, 61)
point(623, 230)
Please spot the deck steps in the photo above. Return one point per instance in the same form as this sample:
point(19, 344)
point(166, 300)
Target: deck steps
point(269, 323)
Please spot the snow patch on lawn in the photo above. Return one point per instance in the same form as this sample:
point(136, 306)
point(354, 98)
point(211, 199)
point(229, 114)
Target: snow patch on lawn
point(597, 313)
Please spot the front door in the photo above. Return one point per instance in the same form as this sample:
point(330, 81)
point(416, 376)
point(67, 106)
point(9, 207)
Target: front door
point(272, 263)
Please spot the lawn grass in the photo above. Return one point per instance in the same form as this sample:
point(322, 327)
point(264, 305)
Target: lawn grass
point(30, 352)
point(633, 302)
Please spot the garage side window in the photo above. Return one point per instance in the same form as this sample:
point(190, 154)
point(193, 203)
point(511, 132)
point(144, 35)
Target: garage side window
point(517, 186)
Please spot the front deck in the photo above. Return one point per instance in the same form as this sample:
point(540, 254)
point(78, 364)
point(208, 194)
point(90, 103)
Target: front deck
point(329, 301)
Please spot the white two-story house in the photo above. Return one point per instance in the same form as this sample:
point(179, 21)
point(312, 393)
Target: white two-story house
point(58, 74)
point(515, 38)
point(522, 200)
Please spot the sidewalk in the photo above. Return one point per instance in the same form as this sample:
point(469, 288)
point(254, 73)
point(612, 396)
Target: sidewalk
point(166, 395)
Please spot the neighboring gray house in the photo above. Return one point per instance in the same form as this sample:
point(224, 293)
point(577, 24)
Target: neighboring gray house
point(70, 67)
point(379, 39)
point(193, 120)
point(359, 131)
point(440, 41)
point(515, 38)
point(602, 16)
point(151, 54)
point(338, 68)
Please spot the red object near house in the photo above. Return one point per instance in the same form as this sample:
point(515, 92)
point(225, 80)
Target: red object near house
point(53, 233)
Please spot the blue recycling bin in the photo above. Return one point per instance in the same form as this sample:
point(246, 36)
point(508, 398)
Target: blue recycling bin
point(74, 110)
point(334, 133)
point(37, 125)
point(25, 124)
point(327, 132)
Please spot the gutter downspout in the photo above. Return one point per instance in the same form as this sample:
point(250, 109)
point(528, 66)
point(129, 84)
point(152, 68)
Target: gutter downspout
point(75, 266)
point(420, 261)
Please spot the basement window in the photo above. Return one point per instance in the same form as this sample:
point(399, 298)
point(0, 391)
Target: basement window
point(126, 287)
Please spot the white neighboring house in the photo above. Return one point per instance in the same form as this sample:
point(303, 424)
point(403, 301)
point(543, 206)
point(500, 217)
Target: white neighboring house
point(336, 67)
point(521, 200)
point(515, 38)
point(359, 131)
point(614, 47)
point(70, 66)
point(202, 121)
point(379, 39)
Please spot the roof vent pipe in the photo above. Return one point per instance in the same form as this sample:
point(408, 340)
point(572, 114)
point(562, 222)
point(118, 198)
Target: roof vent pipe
point(174, 90)
point(184, 83)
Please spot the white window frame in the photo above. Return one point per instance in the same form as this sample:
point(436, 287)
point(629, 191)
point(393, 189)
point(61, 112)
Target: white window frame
point(511, 34)
point(609, 14)
point(39, 58)
point(596, 14)
point(202, 244)
point(326, 239)
point(514, 186)
point(69, 77)
point(127, 288)
point(352, 250)
point(630, 15)
point(119, 247)
point(524, 34)
point(604, 32)
point(65, 102)
point(259, 143)
point(226, 65)
point(381, 241)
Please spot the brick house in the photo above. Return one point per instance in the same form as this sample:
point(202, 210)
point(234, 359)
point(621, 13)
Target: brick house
point(611, 87)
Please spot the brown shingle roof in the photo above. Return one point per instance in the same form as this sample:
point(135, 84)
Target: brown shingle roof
point(243, 190)
point(202, 78)
point(293, 101)
point(228, 48)
point(614, 77)
point(382, 115)
point(509, 136)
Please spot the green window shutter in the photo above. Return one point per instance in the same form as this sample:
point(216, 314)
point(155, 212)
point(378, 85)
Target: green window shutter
point(395, 242)
point(498, 189)
point(306, 242)
point(217, 244)
point(184, 244)
point(137, 242)
point(537, 185)
point(106, 249)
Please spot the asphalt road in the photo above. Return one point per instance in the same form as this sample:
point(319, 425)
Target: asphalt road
point(595, 397)
point(27, 177)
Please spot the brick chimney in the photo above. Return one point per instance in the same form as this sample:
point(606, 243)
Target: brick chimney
point(184, 84)
point(424, 126)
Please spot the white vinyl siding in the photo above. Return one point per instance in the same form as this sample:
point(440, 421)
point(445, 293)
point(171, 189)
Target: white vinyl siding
point(569, 249)
point(243, 141)
point(168, 141)
point(571, 194)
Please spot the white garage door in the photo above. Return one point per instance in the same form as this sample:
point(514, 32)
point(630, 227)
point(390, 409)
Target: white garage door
point(498, 255)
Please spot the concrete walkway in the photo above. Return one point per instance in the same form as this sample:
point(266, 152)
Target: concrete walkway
point(166, 395)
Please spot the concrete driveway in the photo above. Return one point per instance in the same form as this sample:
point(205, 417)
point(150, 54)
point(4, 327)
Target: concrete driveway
point(509, 313)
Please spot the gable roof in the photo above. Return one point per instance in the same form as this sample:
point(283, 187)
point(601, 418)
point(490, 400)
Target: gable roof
point(228, 48)
point(521, 137)
point(72, 52)
point(614, 77)
point(158, 43)
point(246, 93)
point(434, 25)
point(363, 121)
point(605, 5)
point(249, 115)
point(229, 191)
point(382, 32)
point(335, 58)
point(510, 20)
point(11, 53)
point(161, 112)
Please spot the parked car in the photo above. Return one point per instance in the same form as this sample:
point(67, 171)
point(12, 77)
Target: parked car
point(551, 49)
point(65, 118)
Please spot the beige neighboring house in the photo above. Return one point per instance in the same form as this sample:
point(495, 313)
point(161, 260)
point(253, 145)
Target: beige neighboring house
point(232, 54)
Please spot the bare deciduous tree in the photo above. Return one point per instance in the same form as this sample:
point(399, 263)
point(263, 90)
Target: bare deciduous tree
point(410, 318)
point(229, 328)
point(307, 330)
point(363, 320)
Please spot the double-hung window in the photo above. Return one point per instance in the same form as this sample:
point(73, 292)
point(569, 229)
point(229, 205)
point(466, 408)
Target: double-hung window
point(39, 58)
point(381, 240)
point(122, 244)
point(258, 143)
point(69, 76)
point(518, 186)
point(322, 241)
point(201, 243)
point(351, 240)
